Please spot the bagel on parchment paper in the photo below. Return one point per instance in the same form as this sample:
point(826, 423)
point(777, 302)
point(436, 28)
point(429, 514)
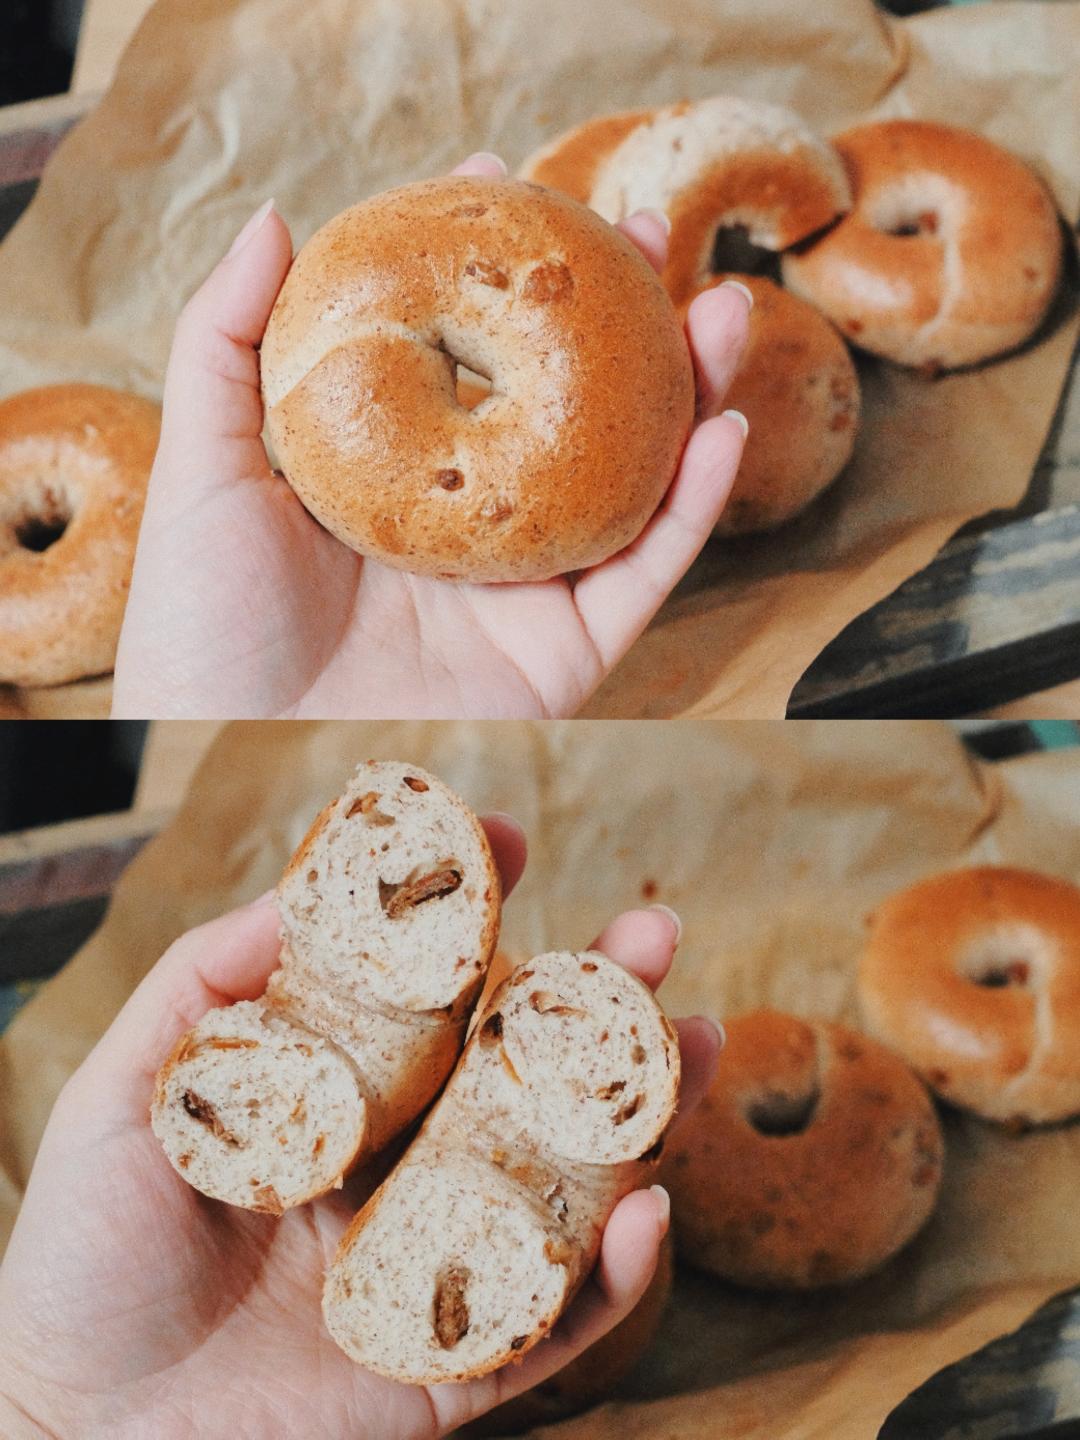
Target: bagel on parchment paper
point(711, 166)
point(389, 915)
point(799, 389)
point(951, 253)
point(472, 1249)
point(815, 1156)
point(973, 976)
point(592, 389)
point(74, 465)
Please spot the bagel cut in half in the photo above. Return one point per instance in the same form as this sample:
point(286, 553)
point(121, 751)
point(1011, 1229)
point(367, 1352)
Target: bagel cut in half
point(591, 398)
point(472, 1249)
point(389, 916)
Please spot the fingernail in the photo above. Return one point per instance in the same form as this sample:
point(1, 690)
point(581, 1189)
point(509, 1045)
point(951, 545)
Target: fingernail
point(667, 910)
point(663, 1207)
point(262, 899)
point(502, 815)
point(254, 224)
point(659, 216)
point(721, 1033)
point(743, 290)
point(740, 420)
point(489, 155)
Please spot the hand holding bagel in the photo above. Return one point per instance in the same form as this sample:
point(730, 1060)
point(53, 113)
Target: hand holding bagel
point(242, 605)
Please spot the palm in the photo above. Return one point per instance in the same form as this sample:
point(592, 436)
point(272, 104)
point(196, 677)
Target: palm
point(228, 1336)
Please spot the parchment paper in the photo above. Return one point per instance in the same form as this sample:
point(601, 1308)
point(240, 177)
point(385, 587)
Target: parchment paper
point(772, 842)
point(219, 103)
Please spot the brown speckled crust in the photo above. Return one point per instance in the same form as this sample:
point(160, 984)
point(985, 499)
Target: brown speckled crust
point(830, 1201)
point(974, 977)
point(592, 395)
point(799, 390)
point(80, 453)
point(569, 162)
point(975, 280)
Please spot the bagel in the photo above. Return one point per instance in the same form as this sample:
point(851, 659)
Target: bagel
point(952, 252)
point(799, 390)
point(592, 386)
point(470, 1252)
point(712, 167)
point(974, 977)
point(74, 464)
point(815, 1156)
point(389, 913)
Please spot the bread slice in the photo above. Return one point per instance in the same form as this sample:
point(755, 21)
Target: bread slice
point(389, 916)
point(471, 1250)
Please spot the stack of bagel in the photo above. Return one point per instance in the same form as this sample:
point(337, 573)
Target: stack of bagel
point(917, 242)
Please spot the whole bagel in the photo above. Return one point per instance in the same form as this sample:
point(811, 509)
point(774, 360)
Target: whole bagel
point(974, 977)
point(710, 166)
point(951, 254)
point(592, 387)
point(799, 390)
point(74, 462)
point(813, 1159)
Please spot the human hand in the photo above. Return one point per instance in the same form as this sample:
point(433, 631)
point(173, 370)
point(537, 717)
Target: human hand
point(131, 1306)
point(242, 605)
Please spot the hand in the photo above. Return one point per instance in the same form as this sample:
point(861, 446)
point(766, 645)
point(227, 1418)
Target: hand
point(242, 605)
point(132, 1306)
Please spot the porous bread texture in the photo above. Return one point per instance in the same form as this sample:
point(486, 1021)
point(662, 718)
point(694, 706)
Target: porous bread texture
point(799, 390)
point(951, 254)
point(283, 1109)
point(390, 911)
point(474, 1246)
point(592, 390)
point(974, 977)
point(76, 458)
point(815, 1156)
point(592, 1376)
point(719, 163)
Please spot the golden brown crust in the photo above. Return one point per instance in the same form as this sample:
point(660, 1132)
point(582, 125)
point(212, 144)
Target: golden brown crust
point(593, 400)
point(570, 162)
point(799, 390)
point(974, 977)
point(814, 1157)
point(78, 457)
point(978, 270)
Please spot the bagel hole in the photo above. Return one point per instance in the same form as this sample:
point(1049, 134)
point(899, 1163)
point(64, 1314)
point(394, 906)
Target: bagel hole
point(470, 387)
point(1005, 959)
point(782, 1115)
point(40, 532)
point(926, 222)
point(734, 253)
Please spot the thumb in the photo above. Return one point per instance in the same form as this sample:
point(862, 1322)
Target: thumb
point(212, 413)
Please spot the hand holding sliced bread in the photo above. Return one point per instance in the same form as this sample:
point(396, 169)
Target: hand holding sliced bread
point(390, 912)
point(472, 1249)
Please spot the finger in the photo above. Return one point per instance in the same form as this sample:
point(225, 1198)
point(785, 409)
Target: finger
point(212, 414)
point(701, 1041)
point(717, 329)
point(508, 846)
point(649, 231)
point(642, 941)
point(483, 163)
point(617, 599)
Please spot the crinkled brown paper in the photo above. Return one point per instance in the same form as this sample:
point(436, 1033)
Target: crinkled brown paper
point(221, 103)
point(773, 842)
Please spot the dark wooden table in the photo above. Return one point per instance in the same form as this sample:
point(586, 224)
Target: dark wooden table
point(994, 617)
